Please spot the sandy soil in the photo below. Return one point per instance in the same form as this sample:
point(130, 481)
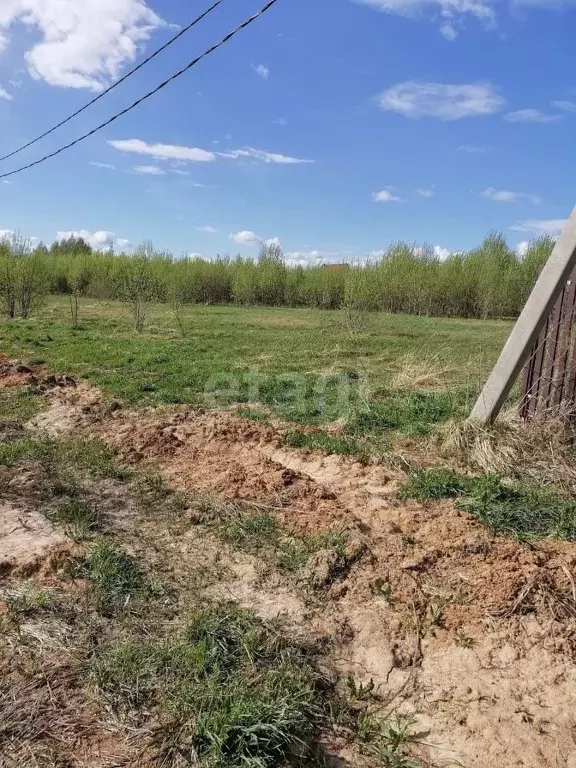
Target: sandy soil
point(472, 635)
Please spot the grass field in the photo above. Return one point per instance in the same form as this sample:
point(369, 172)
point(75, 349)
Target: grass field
point(285, 351)
point(192, 589)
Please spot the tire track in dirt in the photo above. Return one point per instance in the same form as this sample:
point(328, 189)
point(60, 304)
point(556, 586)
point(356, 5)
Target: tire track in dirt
point(467, 633)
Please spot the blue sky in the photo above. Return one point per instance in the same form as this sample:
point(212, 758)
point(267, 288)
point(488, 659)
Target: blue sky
point(334, 127)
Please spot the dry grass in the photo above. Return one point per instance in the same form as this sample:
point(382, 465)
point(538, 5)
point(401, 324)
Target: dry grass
point(543, 449)
point(421, 371)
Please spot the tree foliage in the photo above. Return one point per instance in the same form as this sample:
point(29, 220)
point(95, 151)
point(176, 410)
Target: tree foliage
point(488, 281)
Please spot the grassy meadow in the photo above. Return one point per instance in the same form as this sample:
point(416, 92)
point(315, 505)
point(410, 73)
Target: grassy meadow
point(413, 370)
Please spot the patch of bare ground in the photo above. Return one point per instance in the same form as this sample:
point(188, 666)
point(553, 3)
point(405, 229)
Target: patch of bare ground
point(472, 636)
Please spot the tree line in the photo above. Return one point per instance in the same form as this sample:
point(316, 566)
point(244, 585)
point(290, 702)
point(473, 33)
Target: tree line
point(490, 281)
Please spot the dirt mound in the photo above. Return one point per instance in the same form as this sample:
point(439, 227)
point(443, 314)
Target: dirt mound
point(72, 406)
point(222, 454)
point(13, 373)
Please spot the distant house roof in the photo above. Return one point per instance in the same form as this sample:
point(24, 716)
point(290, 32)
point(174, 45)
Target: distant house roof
point(336, 266)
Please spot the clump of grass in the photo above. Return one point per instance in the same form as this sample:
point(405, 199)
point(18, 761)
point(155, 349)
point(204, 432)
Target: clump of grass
point(115, 576)
point(390, 742)
point(56, 455)
point(524, 510)
point(440, 483)
point(542, 448)
point(17, 451)
point(261, 533)
point(415, 412)
point(228, 691)
point(91, 455)
point(18, 405)
point(30, 602)
point(519, 508)
point(463, 639)
point(296, 552)
point(330, 444)
point(254, 414)
point(423, 371)
point(79, 517)
point(252, 532)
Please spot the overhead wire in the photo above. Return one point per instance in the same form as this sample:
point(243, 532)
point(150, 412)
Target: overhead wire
point(114, 85)
point(148, 95)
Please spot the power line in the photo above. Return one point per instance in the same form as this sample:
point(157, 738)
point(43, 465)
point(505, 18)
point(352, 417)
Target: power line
point(162, 85)
point(133, 71)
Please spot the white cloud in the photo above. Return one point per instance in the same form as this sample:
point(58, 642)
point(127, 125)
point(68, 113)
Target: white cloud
point(448, 31)
point(109, 166)
point(522, 248)
point(316, 257)
point(541, 226)
point(441, 100)
point(262, 70)
point(101, 240)
point(14, 237)
point(248, 238)
point(567, 106)
point(179, 172)
point(280, 121)
point(5, 95)
point(531, 116)
point(385, 196)
point(264, 156)
point(425, 192)
point(208, 229)
point(163, 151)
point(245, 237)
point(149, 170)
point(472, 149)
point(83, 44)
point(442, 253)
point(196, 155)
point(451, 12)
point(506, 196)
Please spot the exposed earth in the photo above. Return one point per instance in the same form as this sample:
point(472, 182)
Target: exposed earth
point(472, 636)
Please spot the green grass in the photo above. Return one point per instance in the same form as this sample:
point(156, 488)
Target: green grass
point(115, 576)
point(252, 532)
point(330, 444)
point(18, 405)
point(295, 554)
point(280, 357)
point(78, 517)
point(14, 452)
point(61, 457)
point(521, 509)
point(254, 414)
point(437, 483)
point(262, 534)
point(228, 691)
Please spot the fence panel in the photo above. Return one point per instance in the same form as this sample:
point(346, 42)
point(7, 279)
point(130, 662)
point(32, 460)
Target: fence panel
point(549, 376)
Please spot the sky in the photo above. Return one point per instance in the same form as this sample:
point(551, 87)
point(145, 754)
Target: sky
point(330, 127)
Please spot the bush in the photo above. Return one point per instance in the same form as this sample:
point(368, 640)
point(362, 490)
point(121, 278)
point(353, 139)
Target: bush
point(489, 281)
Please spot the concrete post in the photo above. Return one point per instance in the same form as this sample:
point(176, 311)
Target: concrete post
point(554, 275)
